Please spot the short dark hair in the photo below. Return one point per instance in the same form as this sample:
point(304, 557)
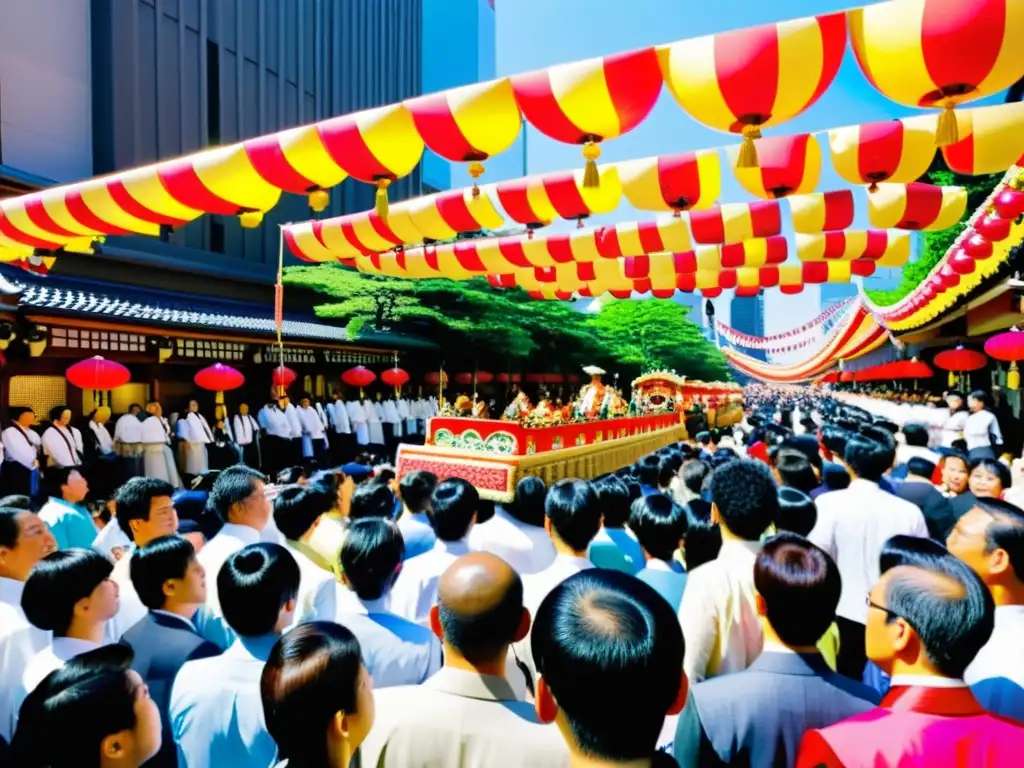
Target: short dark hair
point(915, 435)
point(370, 556)
point(57, 411)
point(613, 500)
point(372, 500)
point(574, 512)
point(808, 446)
point(909, 550)
point(704, 438)
point(797, 512)
point(415, 488)
point(135, 498)
point(952, 625)
point(479, 636)
point(993, 467)
point(254, 585)
point(703, 538)
point(57, 477)
point(58, 582)
point(694, 474)
point(290, 475)
point(795, 471)
point(298, 507)
point(602, 635)
point(659, 524)
point(800, 585)
point(454, 504)
point(834, 438)
point(647, 469)
point(164, 558)
point(667, 470)
point(919, 466)
point(16, 501)
point(528, 503)
point(10, 530)
point(88, 699)
point(233, 486)
point(746, 497)
point(870, 457)
point(1006, 531)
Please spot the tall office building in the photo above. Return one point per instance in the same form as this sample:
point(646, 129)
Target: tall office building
point(747, 316)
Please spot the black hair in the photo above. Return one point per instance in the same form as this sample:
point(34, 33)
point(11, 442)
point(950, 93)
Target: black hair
point(574, 512)
point(291, 475)
point(298, 507)
point(613, 500)
point(704, 438)
point(312, 673)
point(372, 500)
point(17, 412)
point(993, 467)
point(10, 530)
point(797, 512)
point(915, 435)
point(453, 506)
point(57, 477)
point(254, 585)
point(1005, 531)
point(635, 491)
point(16, 501)
point(659, 524)
point(870, 457)
point(415, 488)
point(703, 538)
point(528, 503)
point(57, 411)
point(808, 446)
point(63, 722)
point(666, 472)
point(647, 470)
point(58, 582)
point(795, 471)
point(902, 549)
point(135, 498)
point(370, 556)
point(164, 558)
point(233, 486)
point(484, 510)
point(982, 397)
point(952, 624)
point(694, 475)
point(603, 635)
point(746, 497)
point(480, 635)
point(919, 466)
point(800, 585)
point(834, 438)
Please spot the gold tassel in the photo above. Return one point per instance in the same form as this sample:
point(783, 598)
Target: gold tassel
point(946, 130)
point(1013, 377)
point(747, 157)
point(476, 170)
point(951, 379)
point(250, 219)
point(381, 201)
point(591, 178)
point(319, 199)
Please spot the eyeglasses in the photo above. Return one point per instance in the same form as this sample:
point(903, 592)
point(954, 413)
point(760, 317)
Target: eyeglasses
point(892, 614)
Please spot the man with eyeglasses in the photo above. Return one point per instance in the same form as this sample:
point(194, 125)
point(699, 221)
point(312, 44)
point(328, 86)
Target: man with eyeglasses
point(925, 623)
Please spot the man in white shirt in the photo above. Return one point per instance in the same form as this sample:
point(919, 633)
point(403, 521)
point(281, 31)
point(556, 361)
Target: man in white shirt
point(144, 512)
point(216, 712)
point(195, 435)
point(373, 422)
point(155, 437)
point(238, 496)
point(128, 441)
point(24, 541)
point(853, 525)
point(247, 436)
point(415, 489)
point(313, 435)
point(396, 651)
point(278, 429)
point(915, 443)
point(298, 511)
point(718, 613)
point(341, 439)
point(990, 539)
point(62, 443)
point(21, 447)
point(453, 510)
point(295, 428)
point(358, 419)
point(70, 594)
point(516, 533)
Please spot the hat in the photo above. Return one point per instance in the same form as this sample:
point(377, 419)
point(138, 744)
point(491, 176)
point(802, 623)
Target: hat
point(593, 370)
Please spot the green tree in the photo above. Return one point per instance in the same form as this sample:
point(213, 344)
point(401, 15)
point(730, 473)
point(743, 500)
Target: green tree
point(936, 244)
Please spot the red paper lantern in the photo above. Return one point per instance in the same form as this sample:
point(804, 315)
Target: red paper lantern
point(535, 378)
point(464, 378)
point(977, 247)
point(98, 373)
point(994, 228)
point(572, 378)
point(360, 376)
point(283, 377)
point(1006, 346)
point(219, 378)
point(960, 359)
point(509, 378)
point(432, 377)
point(484, 377)
point(396, 377)
point(553, 378)
point(1009, 203)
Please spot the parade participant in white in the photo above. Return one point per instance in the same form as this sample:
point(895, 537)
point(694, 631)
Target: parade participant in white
point(156, 446)
point(21, 447)
point(357, 415)
point(373, 422)
point(62, 444)
point(128, 440)
point(195, 434)
point(247, 436)
point(313, 435)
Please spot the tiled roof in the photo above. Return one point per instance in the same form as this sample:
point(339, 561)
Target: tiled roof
point(128, 303)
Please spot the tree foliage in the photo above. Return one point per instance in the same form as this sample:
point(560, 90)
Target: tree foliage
point(936, 244)
point(505, 330)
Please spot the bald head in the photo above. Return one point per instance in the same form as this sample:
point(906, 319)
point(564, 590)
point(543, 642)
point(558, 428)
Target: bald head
point(480, 606)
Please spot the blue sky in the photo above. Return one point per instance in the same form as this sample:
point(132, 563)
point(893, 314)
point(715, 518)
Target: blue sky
point(537, 33)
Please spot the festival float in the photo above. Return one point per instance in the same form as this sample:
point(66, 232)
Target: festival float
point(704, 405)
point(595, 433)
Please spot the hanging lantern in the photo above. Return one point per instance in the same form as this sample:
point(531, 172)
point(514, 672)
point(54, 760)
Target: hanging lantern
point(508, 378)
point(959, 361)
point(744, 80)
point(464, 378)
point(897, 151)
point(1008, 346)
point(98, 374)
point(994, 228)
point(787, 165)
point(219, 378)
point(395, 377)
point(683, 182)
point(937, 53)
point(484, 377)
point(282, 378)
point(977, 247)
point(991, 139)
point(360, 376)
point(1009, 203)
point(434, 378)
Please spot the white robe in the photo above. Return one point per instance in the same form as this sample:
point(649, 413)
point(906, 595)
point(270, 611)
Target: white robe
point(391, 416)
point(245, 428)
point(21, 445)
point(127, 435)
point(196, 435)
point(338, 413)
point(312, 429)
point(291, 413)
point(157, 459)
point(60, 446)
point(407, 416)
point(373, 423)
point(102, 437)
point(275, 422)
point(357, 415)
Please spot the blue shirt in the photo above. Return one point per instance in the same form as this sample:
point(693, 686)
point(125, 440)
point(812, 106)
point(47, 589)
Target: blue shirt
point(71, 524)
point(216, 713)
point(614, 549)
point(668, 579)
point(419, 536)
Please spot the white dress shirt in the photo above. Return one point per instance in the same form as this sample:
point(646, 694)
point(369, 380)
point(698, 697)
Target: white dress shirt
point(312, 426)
point(111, 539)
point(396, 651)
point(953, 428)
point(373, 422)
point(51, 658)
point(905, 453)
point(106, 443)
point(230, 539)
point(20, 642)
point(316, 601)
point(358, 419)
point(21, 445)
point(415, 592)
point(718, 614)
point(852, 526)
point(245, 428)
point(294, 424)
point(216, 713)
point(981, 430)
point(128, 429)
point(154, 430)
point(131, 610)
point(197, 430)
point(275, 422)
point(338, 414)
point(60, 446)
point(996, 675)
point(527, 548)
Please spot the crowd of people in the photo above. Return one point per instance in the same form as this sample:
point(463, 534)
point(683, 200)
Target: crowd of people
point(819, 586)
